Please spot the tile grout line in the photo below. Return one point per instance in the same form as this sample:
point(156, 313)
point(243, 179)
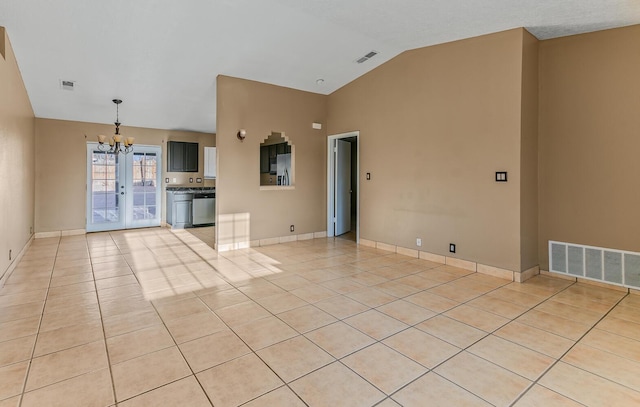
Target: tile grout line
point(473, 343)
point(558, 360)
point(491, 333)
point(38, 334)
point(35, 342)
point(401, 298)
point(512, 320)
point(461, 350)
point(376, 341)
point(104, 333)
point(135, 330)
point(193, 373)
point(299, 334)
point(167, 328)
point(341, 320)
point(410, 326)
point(252, 351)
point(217, 316)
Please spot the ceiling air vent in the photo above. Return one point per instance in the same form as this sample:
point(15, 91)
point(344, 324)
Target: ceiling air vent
point(367, 57)
point(67, 85)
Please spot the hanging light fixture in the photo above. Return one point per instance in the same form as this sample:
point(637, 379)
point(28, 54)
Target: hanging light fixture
point(117, 144)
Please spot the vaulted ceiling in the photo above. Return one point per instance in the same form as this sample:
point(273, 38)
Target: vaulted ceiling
point(162, 57)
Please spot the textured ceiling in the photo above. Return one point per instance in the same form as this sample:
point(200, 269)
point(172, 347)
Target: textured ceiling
point(162, 57)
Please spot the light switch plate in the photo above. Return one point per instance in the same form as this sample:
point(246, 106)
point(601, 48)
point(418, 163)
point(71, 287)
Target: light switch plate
point(501, 176)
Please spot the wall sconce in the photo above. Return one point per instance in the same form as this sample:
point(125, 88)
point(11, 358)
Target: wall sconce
point(242, 133)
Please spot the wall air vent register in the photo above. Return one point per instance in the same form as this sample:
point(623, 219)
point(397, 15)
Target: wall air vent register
point(611, 266)
point(67, 85)
point(367, 57)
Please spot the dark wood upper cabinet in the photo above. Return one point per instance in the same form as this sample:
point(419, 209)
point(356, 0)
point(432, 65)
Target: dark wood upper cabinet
point(183, 156)
point(191, 164)
point(269, 155)
point(264, 159)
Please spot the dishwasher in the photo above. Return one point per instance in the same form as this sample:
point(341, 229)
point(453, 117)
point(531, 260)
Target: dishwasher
point(204, 209)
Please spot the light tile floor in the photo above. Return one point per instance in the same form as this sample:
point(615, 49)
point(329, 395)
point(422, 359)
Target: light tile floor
point(154, 317)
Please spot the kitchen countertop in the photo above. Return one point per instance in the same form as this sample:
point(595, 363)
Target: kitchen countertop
point(189, 189)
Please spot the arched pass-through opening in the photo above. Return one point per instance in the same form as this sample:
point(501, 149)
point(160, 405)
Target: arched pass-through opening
point(277, 161)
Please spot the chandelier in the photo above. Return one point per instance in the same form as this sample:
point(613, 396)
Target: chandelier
point(116, 143)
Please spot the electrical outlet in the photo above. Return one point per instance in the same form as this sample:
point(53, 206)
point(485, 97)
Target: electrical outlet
point(31, 230)
point(452, 248)
point(9, 254)
point(418, 242)
point(368, 176)
point(191, 180)
point(166, 180)
point(291, 228)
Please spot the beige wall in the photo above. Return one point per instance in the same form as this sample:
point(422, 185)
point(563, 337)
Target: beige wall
point(435, 124)
point(529, 154)
point(261, 109)
point(590, 140)
point(16, 158)
point(61, 172)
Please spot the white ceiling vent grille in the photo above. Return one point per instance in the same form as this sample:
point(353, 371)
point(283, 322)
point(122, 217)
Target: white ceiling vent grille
point(367, 57)
point(67, 85)
point(595, 263)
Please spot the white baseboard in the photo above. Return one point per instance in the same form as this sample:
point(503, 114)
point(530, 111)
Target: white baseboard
point(73, 232)
point(59, 233)
point(7, 273)
point(273, 240)
point(454, 261)
point(44, 235)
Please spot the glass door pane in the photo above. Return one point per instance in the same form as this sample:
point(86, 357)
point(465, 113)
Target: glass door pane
point(104, 190)
point(143, 182)
point(123, 191)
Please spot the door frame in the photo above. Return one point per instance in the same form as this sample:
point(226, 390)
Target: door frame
point(127, 208)
point(331, 181)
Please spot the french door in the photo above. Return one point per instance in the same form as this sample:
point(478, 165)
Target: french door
point(123, 190)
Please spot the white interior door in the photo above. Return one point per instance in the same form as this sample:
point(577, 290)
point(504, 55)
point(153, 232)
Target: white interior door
point(343, 187)
point(124, 190)
point(331, 181)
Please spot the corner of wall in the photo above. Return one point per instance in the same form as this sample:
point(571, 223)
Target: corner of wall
point(246, 212)
point(588, 140)
point(17, 142)
point(3, 41)
point(529, 154)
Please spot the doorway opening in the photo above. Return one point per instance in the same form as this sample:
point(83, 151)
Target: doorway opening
point(123, 190)
point(343, 186)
